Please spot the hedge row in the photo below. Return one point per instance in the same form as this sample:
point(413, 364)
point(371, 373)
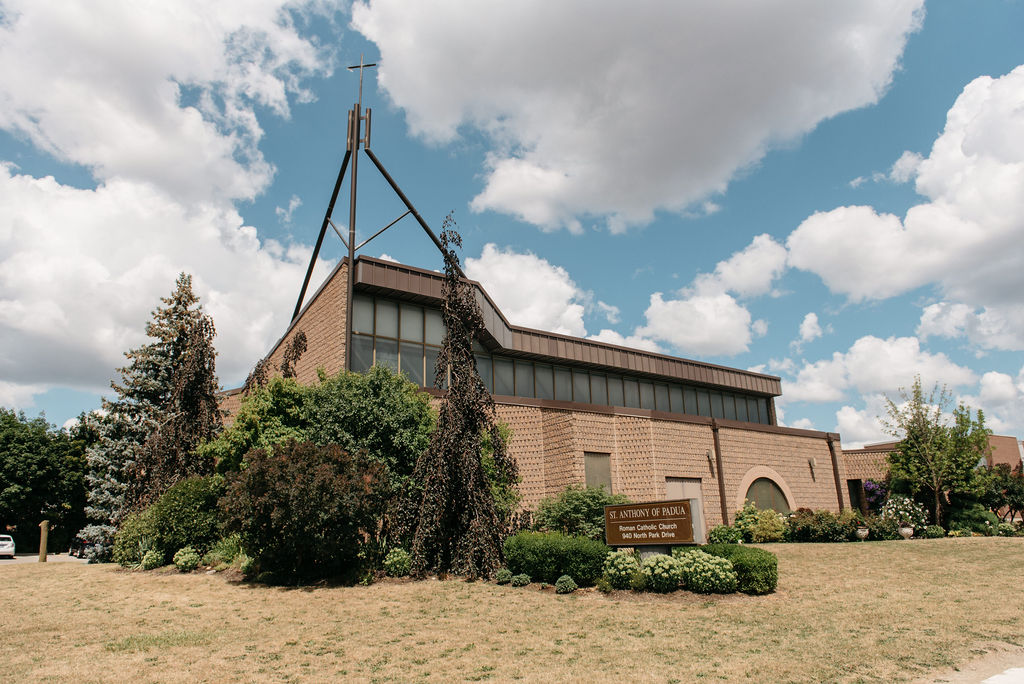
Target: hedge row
point(757, 570)
point(546, 556)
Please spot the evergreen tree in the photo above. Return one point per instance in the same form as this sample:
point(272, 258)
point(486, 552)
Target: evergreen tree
point(166, 406)
point(458, 526)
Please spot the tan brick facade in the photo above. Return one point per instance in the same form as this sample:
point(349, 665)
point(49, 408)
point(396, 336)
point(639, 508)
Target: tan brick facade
point(549, 446)
point(549, 439)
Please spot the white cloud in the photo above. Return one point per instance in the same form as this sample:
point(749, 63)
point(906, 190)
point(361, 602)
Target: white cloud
point(905, 168)
point(748, 273)
point(158, 102)
point(810, 330)
point(874, 365)
point(702, 325)
point(993, 327)
point(803, 424)
point(632, 341)
point(154, 92)
point(575, 96)
point(965, 238)
point(611, 313)
point(285, 215)
point(858, 427)
point(1001, 396)
point(552, 302)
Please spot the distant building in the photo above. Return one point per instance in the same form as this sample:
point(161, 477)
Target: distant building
point(870, 462)
point(647, 425)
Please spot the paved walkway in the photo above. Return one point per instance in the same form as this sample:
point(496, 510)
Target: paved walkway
point(34, 558)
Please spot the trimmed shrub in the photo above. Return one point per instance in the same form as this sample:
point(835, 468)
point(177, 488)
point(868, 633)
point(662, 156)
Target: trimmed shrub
point(768, 526)
point(805, 525)
point(565, 585)
point(724, 534)
point(397, 563)
point(186, 559)
point(520, 580)
point(186, 515)
point(302, 510)
point(757, 570)
point(504, 576)
point(223, 551)
point(548, 556)
point(662, 573)
point(881, 528)
point(1006, 530)
point(577, 511)
point(706, 574)
point(136, 536)
point(604, 586)
point(620, 567)
point(934, 532)
point(152, 560)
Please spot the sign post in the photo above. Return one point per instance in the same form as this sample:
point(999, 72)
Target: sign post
point(657, 523)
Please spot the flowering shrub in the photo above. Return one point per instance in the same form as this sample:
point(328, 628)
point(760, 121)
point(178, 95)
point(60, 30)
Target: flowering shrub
point(707, 574)
point(1006, 530)
point(724, 534)
point(662, 573)
point(186, 559)
point(757, 570)
point(397, 563)
point(620, 567)
point(565, 585)
point(768, 526)
point(504, 576)
point(905, 512)
point(875, 494)
point(745, 519)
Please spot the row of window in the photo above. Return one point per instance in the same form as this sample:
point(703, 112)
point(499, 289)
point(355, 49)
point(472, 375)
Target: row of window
point(407, 337)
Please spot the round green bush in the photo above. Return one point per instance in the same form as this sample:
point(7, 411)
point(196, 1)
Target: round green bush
point(504, 576)
point(620, 567)
point(565, 585)
point(706, 574)
point(724, 534)
point(397, 563)
point(934, 532)
point(768, 526)
point(186, 559)
point(604, 586)
point(1006, 530)
point(662, 573)
point(757, 570)
point(134, 538)
point(547, 556)
point(520, 580)
point(152, 560)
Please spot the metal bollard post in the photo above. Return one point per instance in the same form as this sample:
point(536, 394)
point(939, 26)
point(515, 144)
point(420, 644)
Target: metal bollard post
point(44, 531)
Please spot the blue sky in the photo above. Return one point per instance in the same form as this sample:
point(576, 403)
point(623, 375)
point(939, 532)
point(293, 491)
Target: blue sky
point(828, 193)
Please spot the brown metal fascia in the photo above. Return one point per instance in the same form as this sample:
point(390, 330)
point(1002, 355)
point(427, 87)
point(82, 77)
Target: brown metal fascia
point(721, 474)
point(835, 470)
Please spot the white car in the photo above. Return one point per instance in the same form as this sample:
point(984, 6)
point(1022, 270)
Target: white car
point(6, 545)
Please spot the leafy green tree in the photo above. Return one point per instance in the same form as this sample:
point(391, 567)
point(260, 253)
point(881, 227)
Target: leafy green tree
point(935, 456)
point(41, 478)
point(458, 526)
point(577, 511)
point(1002, 490)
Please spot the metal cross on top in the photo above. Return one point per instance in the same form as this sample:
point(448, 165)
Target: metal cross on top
point(356, 117)
point(361, 66)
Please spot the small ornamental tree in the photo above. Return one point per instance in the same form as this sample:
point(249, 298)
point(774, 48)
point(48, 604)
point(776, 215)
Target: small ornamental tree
point(458, 527)
point(935, 457)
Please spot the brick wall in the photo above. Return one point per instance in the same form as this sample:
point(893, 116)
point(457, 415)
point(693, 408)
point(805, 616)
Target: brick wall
point(323, 321)
point(863, 464)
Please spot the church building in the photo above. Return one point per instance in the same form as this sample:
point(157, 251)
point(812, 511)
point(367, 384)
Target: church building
point(650, 426)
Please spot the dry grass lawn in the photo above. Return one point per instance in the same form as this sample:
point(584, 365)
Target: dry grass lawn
point(843, 612)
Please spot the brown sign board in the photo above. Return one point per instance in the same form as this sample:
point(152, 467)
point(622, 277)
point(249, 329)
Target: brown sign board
point(656, 522)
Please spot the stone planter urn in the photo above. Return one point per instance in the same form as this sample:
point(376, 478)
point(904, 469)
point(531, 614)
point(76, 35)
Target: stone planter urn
point(862, 533)
point(906, 532)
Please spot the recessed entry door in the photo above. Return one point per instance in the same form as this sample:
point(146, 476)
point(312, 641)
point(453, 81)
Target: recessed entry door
point(688, 488)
